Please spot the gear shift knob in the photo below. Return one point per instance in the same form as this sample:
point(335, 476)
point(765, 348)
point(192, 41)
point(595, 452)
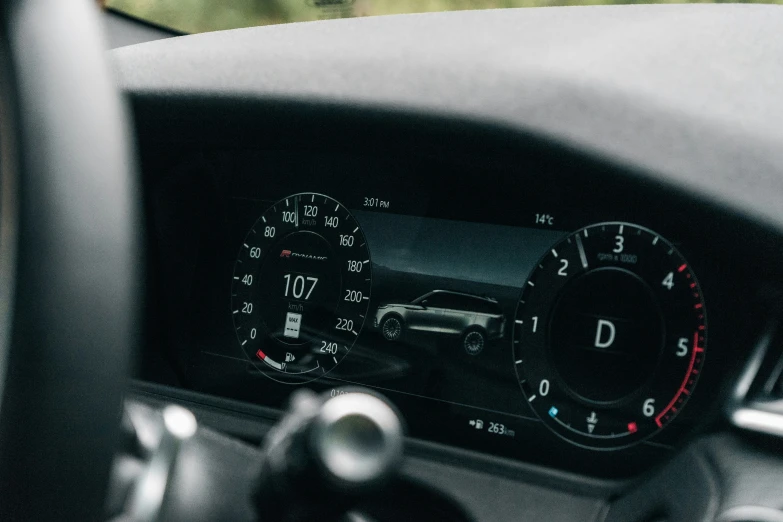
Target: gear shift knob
point(356, 439)
point(326, 453)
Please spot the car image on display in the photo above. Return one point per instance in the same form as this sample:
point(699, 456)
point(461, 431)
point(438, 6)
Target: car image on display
point(473, 318)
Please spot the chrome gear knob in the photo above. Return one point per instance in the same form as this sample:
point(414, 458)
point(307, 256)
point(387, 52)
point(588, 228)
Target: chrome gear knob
point(327, 453)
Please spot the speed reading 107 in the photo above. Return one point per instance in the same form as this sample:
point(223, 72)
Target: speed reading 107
point(301, 287)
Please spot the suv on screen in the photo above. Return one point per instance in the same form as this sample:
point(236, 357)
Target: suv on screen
point(475, 319)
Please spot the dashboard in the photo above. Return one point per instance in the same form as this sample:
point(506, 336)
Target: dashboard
point(555, 263)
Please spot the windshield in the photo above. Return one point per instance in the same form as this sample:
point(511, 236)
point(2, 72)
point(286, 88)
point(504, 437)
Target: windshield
point(196, 16)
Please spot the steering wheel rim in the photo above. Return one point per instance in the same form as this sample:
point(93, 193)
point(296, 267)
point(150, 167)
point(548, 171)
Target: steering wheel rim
point(71, 262)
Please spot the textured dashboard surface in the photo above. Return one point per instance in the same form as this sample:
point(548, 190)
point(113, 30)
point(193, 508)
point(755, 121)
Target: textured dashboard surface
point(687, 93)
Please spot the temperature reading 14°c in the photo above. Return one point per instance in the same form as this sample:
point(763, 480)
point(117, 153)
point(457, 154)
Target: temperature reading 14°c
point(376, 203)
point(545, 219)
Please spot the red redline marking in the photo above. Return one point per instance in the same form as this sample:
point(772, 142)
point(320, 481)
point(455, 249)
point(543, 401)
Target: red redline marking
point(685, 381)
point(693, 285)
point(682, 268)
point(261, 355)
point(702, 327)
point(697, 306)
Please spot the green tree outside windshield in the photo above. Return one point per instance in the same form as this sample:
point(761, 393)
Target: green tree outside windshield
point(196, 16)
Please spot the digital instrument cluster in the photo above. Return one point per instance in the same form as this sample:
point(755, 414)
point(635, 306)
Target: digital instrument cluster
point(607, 330)
point(507, 308)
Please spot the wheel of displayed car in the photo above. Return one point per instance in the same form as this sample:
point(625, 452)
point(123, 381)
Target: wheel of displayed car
point(391, 328)
point(473, 341)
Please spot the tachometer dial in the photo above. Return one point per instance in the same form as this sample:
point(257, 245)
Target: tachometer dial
point(301, 287)
point(610, 335)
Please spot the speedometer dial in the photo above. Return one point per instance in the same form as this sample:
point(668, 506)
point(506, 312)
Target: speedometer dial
point(610, 335)
point(301, 287)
